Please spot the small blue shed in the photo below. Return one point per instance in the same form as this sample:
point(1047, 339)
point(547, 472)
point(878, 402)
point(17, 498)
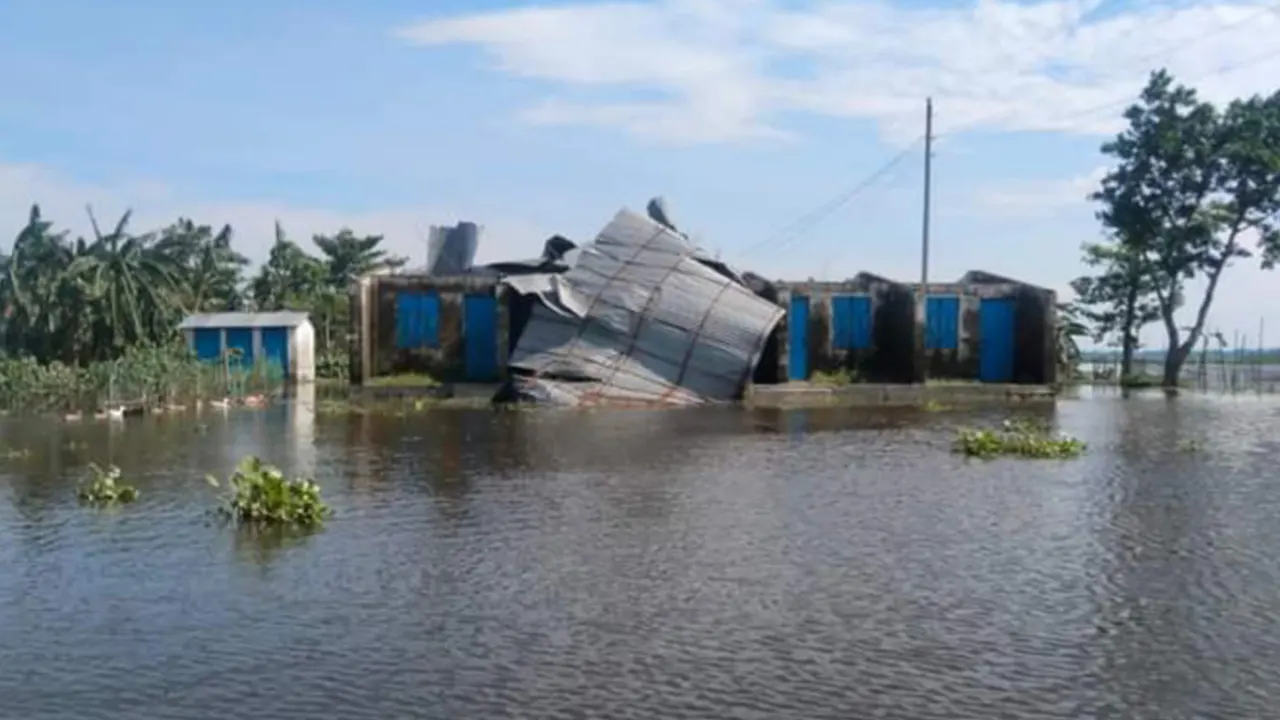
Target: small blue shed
point(285, 339)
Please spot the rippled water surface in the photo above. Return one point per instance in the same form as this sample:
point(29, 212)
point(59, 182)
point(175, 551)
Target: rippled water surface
point(652, 565)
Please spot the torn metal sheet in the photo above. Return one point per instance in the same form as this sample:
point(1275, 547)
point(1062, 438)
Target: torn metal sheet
point(452, 250)
point(639, 318)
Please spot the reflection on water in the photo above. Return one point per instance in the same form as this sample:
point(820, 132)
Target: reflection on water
point(647, 564)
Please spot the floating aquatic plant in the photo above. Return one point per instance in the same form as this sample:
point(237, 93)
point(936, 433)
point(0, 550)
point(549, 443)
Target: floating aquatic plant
point(105, 487)
point(1020, 439)
point(260, 494)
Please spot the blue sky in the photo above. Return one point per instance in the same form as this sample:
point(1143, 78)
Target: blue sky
point(390, 115)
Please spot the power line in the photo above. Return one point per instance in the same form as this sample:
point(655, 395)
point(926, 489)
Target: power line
point(796, 229)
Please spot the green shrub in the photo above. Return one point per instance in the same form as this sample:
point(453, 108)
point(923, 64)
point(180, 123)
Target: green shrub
point(333, 365)
point(837, 378)
point(260, 494)
point(105, 488)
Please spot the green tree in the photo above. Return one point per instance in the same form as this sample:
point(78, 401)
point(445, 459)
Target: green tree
point(1119, 301)
point(346, 258)
point(133, 287)
point(43, 304)
point(289, 280)
point(210, 270)
point(81, 301)
point(1193, 189)
point(1071, 324)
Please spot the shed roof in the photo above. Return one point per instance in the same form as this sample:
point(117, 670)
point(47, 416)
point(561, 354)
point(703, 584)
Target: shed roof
point(284, 318)
point(983, 277)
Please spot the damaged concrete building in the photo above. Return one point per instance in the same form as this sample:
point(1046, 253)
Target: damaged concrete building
point(641, 316)
point(983, 327)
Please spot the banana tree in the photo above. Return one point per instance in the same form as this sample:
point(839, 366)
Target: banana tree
point(133, 287)
point(42, 302)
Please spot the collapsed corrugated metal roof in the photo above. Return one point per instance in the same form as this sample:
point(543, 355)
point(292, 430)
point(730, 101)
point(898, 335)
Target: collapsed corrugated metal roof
point(639, 316)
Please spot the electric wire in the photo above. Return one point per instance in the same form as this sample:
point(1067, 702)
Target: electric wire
point(795, 230)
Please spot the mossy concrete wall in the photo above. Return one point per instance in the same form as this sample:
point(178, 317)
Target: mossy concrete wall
point(373, 333)
point(947, 396)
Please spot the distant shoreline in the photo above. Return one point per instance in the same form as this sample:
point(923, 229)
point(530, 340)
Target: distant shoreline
point(1229, 356)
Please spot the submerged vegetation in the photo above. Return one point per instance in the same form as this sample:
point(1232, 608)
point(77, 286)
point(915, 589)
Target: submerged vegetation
point(837, 378)
point(1190, 446)
point(260, 495)
point(105, 487)
point(1020, 439)
point(141, 375)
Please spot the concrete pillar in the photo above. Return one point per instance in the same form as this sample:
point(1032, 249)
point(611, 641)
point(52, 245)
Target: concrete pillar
point(359, 340)
point(784, 336)
point(966, 330)
point(919, 357)
point(255, 342)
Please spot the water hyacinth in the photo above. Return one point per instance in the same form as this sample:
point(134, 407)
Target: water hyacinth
point(1019, 439)
point(106, 488)
point(260, 494)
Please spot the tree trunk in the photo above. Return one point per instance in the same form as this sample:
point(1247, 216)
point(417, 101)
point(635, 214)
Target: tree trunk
point(1127, 332)
point(1179, 351)
point(1173, 363)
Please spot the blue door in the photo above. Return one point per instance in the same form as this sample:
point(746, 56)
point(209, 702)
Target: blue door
point(208, 344)
point(798, 339)
point(241, 339)
point(942, 323)
point(850, 322)
point(417, 320)
point(275, 348)
point(480, 337)
point(995, 340)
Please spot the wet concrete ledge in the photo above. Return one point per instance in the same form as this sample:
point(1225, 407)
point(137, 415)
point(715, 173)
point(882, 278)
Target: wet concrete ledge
point(445, 395)
point(786, 395)
point(809, 395)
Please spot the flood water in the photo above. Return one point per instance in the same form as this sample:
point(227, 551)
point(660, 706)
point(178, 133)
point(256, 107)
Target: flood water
point(652, 565)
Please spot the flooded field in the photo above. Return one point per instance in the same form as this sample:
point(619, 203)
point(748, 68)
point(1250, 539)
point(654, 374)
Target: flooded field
point(652, 565)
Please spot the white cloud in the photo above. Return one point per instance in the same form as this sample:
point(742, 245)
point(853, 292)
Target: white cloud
point(1038, 197)
point(725, 69)
point(63, 201)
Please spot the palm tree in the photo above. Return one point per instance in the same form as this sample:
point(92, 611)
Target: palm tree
point(347, 257)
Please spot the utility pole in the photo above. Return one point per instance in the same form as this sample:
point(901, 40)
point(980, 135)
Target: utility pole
point(928, 182)
point(921, 359)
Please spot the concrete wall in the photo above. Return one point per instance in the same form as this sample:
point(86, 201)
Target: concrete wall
point(302, 350)
point(891, 357)
point(302, 353)
point(1035, 358)
point(373, 351)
